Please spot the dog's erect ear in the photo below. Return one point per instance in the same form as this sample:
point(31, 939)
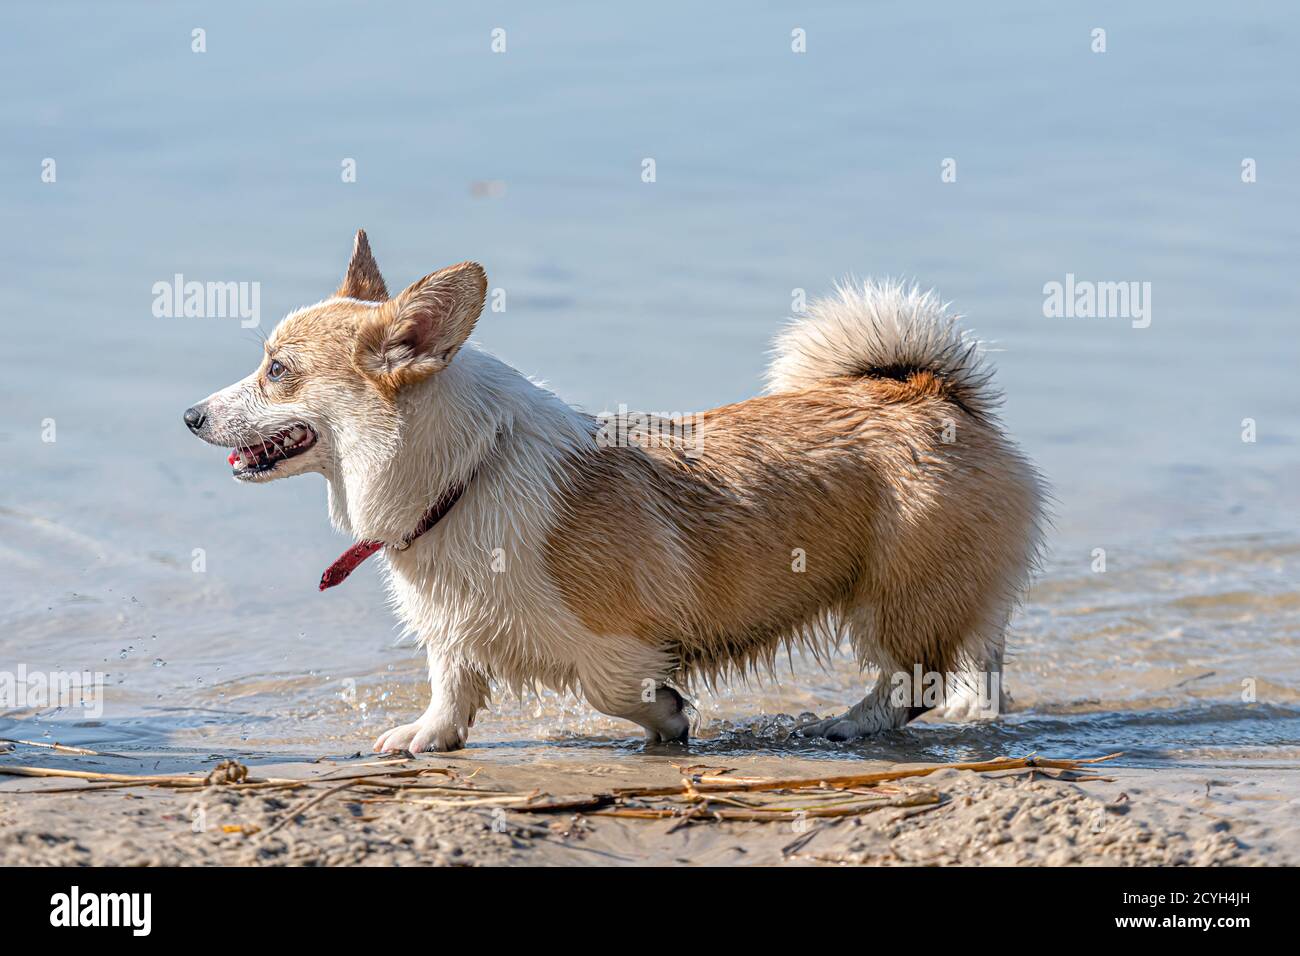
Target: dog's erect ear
point(419, 331)
point(363, 280)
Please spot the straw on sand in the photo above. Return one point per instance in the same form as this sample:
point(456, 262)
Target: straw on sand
point(704, 793)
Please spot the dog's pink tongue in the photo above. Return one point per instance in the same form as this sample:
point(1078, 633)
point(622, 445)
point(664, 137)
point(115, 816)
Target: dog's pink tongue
point(234, 457)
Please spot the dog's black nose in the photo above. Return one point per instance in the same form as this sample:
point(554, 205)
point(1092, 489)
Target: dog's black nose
point(195, 417)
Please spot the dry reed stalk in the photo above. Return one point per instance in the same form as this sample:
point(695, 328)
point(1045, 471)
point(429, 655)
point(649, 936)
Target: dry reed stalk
point(294, 812)
point(719, 784)
point(581, 804)
point(689, 817)
point(506, 803)
point(237, 780)
point(128, 779)
point(86, 788)
point(60, 748)
point(411, 772)
point(818, 803)
point(922, 798)
point(926, 799)
point(634, 813)
point(440, 791)
point(741, 816)
point(917, 811)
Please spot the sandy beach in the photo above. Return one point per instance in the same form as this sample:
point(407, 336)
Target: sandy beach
point(1136, 817)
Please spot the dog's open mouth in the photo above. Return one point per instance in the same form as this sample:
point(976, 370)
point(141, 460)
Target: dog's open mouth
point(262, 457)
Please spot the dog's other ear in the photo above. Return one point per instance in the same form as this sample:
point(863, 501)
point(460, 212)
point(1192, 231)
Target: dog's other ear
point(419, 331)
point(363, 280)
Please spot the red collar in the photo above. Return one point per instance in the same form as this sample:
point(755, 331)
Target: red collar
point(350, 559)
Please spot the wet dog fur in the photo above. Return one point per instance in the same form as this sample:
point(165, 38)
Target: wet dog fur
point(868, 498)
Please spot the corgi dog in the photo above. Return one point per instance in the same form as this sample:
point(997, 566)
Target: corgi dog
point(869, 496)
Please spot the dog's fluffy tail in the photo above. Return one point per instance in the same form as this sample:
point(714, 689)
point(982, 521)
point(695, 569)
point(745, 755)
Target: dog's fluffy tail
point(883, 330)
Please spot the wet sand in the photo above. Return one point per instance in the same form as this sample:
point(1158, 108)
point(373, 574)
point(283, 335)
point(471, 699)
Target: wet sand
point(1143, 817)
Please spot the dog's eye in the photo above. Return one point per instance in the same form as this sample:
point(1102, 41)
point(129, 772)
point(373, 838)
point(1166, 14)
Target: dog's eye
point(275, 371)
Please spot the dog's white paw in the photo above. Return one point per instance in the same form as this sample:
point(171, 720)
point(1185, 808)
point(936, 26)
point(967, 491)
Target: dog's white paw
point(423, 735)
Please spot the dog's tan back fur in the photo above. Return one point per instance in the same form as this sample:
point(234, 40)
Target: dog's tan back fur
point(916, 538)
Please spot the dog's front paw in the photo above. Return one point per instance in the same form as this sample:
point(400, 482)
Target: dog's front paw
point(421, 736)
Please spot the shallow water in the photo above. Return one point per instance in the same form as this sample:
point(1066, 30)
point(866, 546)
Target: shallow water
point(775, 171)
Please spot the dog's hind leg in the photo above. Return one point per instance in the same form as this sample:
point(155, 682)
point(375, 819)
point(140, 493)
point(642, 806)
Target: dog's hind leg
point(914, 637)
point(627, 680)
point(880, 710)
point(868, 716)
